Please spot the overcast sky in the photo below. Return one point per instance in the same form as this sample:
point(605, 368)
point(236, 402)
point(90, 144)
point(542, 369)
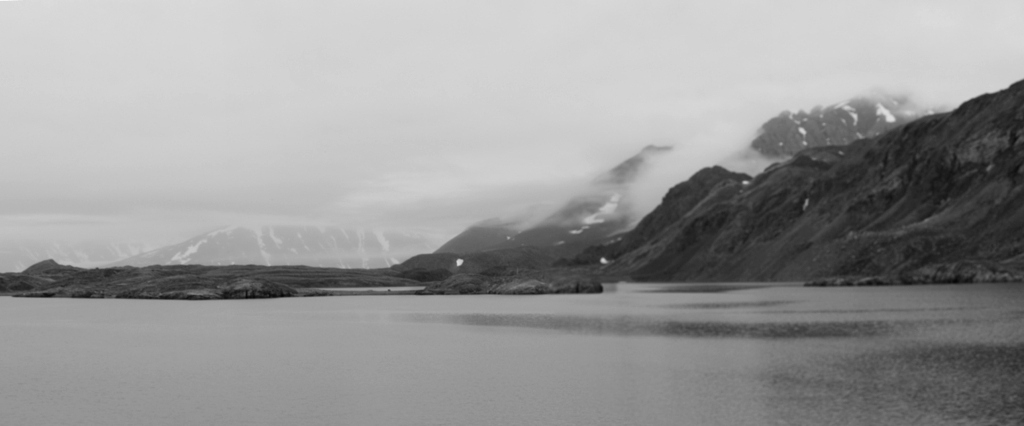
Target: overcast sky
point(155, 120)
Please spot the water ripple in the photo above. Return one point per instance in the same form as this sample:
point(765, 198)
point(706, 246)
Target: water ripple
point(634, 325)
point(948, 383)
point(730, 305)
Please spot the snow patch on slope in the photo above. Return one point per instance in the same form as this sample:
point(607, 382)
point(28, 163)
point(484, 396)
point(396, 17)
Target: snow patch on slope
point(882, 111)
point(579, 231)
point(852, 112)
point(277, 241)
point(361, 249)
point(183, 257)
point(608, 208)
point(383, 241)
point(226, 231)
point(263, 246)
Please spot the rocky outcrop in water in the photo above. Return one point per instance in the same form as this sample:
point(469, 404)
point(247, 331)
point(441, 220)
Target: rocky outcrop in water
point(184, 288)
point(533, 282)
point(521, 270)
point(35, 276)
point(193, 282)
point(14, 282)
point(945, 273)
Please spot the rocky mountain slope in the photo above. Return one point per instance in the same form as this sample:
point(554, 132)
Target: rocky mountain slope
point(290, 245)
point(603, 210)
point(481, 236)
point(595, 217)
point(492, 262)
point(838, 124)
point(940, 199)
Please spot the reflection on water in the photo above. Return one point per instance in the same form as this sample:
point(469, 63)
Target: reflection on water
point(698, 288)
point(733, 354)
point(913, 384)
point(626, 325)
point(372, 289)
point(730, 305)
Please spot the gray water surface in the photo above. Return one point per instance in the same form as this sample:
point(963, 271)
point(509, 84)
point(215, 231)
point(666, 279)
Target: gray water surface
point(637, 354)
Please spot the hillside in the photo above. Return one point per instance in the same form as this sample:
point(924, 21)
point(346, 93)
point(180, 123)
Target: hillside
point(940, 199)
point(602, 210)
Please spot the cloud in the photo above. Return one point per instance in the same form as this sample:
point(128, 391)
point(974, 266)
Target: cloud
point(172, 115)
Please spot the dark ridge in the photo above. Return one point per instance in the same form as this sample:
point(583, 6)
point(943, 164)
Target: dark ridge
point(936, 200)
point(48, 267)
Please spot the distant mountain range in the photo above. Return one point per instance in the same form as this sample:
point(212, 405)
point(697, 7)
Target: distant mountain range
point(838, 124)
point(602, 210)
point(290, 245)
point(940, 199)
point(15, 256)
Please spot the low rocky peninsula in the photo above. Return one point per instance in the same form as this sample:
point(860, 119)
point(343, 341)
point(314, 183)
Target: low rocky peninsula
point(200, 282)
point(967, 272)
point(550, 281)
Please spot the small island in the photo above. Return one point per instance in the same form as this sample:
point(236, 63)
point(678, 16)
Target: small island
point(200, 282)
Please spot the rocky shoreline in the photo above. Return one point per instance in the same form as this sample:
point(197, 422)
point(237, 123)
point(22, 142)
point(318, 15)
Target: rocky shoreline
point(945, 273)
point(239, 288)
point(551, 281)
point(197, 282)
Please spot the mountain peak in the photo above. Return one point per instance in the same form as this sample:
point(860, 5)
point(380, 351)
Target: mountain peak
point(627, 171)
point(837, 124)
point(46, 267)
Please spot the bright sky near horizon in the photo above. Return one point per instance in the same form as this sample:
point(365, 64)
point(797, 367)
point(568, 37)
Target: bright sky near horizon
point(153, 121)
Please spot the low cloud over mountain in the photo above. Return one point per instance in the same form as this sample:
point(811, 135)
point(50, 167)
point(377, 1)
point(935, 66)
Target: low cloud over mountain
point(290, 245)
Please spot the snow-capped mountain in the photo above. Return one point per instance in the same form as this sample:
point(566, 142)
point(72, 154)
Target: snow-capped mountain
point(323, 246)
point(837, 124)
point(15, 256)
point(601, 211)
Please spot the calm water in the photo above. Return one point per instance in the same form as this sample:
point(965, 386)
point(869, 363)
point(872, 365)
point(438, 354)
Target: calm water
point(637, 354)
